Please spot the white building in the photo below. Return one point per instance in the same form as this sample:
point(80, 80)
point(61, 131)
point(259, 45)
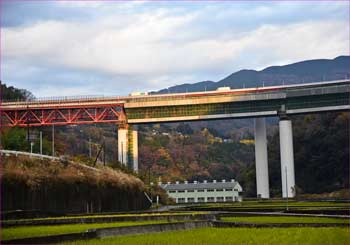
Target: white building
point(203, 192)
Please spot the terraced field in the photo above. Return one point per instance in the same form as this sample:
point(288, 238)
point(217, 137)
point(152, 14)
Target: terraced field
point(18, 232)
point(285, 219)
point(235, 236)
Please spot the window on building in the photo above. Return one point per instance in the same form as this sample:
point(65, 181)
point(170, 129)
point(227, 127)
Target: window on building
point(172, 191)
point(201, 199)
point(219, 189)
point(210, 190)
point(200, 190)
point(235, 189)
point(229, 199)
point(181, 200)
point(228, 189)
point(190, 190)
point(220, 199)
point(190, 199)
point(181, 191)
point(211, 199)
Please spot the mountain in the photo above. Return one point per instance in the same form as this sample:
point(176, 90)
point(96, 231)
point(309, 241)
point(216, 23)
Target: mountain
point(301, 72)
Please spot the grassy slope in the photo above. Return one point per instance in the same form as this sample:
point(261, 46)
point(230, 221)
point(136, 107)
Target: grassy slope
point(236, 236)
point(33, 231)
point(283, 219)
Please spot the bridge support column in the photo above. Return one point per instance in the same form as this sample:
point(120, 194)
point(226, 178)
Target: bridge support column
point(128, 146)
point(261, 163)
point(287, 158)
point(123, 144)
point(133, 148)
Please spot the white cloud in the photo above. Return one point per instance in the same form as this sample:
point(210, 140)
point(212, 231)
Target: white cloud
point(163, 46)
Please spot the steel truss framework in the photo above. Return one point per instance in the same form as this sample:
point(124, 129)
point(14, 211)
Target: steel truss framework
point(63, 116)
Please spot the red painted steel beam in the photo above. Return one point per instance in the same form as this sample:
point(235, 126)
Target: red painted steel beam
point(64, 115)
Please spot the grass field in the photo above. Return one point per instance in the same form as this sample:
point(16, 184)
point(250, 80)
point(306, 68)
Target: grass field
point(235, 236)
point(283, 219)
point(34, 231)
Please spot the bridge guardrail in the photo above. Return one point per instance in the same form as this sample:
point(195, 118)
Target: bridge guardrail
point(16, 153)
point(22, 153)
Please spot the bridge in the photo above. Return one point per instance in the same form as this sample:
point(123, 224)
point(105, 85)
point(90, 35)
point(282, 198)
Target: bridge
point(128, 111)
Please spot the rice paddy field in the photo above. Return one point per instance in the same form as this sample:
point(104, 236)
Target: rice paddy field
point(210, 235)
point(285, 219)
point(18, 232)
point(275, 205)
point(235, 236)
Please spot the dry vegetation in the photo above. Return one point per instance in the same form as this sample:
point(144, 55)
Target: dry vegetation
point(31, 183)
point(36, 172)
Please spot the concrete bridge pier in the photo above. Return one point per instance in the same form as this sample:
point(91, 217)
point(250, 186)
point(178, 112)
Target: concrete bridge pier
point(123, 144)
point(261, 164)
point(287, 157)
point(128, 146)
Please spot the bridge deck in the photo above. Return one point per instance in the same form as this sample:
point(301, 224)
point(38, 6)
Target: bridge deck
point(251, 102)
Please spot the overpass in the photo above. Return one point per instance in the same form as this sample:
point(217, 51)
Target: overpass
point(128, 111)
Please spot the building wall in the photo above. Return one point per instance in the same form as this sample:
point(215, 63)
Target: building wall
point(207, 196)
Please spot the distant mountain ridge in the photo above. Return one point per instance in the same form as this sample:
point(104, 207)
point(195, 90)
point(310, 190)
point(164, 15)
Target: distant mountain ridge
point(301, 72)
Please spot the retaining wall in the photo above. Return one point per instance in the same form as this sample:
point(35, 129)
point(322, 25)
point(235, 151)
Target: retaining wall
point(107, 219)
point(222, 224)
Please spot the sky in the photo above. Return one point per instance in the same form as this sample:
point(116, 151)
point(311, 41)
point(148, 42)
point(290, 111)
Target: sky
point(65, 48)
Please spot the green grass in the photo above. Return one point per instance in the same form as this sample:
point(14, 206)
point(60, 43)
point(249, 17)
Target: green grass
point(34, 231)
point(235, 236)
point(283, 219)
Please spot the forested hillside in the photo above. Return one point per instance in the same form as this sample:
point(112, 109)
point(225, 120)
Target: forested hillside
point(220, 149)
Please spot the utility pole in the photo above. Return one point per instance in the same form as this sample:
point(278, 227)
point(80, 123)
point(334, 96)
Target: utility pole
point(149, 175)
point(104, 151)
point(27, 121)
point(122, 151)
point(31, 147)
point(41, 142)
point(53, 140)
point(286, 186)
point(90, 152)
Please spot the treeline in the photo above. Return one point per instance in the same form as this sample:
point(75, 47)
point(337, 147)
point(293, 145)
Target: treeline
point(10, 93)
point(321, 152)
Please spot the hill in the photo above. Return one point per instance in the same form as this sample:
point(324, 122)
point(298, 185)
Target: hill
point(301, 72)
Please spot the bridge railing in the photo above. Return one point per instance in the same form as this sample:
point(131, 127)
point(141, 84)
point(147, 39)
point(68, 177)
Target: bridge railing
point(63, 99)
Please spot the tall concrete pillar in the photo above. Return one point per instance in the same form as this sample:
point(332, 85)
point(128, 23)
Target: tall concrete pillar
point(262, 172)
point(287, 158)
point(123, 144)
point(134, 151)
point(128, 146)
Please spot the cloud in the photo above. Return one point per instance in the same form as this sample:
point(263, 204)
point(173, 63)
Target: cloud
point(166, 46)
